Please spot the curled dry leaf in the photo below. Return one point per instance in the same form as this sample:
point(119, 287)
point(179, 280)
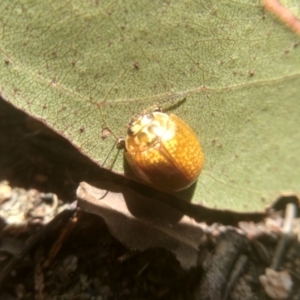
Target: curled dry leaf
point(278, 285)
point(140, 222)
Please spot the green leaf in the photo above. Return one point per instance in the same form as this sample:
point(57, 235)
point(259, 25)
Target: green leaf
point(86, 67)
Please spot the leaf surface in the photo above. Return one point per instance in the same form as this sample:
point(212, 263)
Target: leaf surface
point(85, 68)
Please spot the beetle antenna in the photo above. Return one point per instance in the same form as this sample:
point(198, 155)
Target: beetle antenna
point(175, 105)
point(158, 106)
point(171, 98)
point(110, 151)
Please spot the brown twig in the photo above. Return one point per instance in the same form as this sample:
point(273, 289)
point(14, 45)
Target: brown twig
point(283, 13)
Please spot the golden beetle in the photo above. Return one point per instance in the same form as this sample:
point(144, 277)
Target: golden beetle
point(163, 151)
